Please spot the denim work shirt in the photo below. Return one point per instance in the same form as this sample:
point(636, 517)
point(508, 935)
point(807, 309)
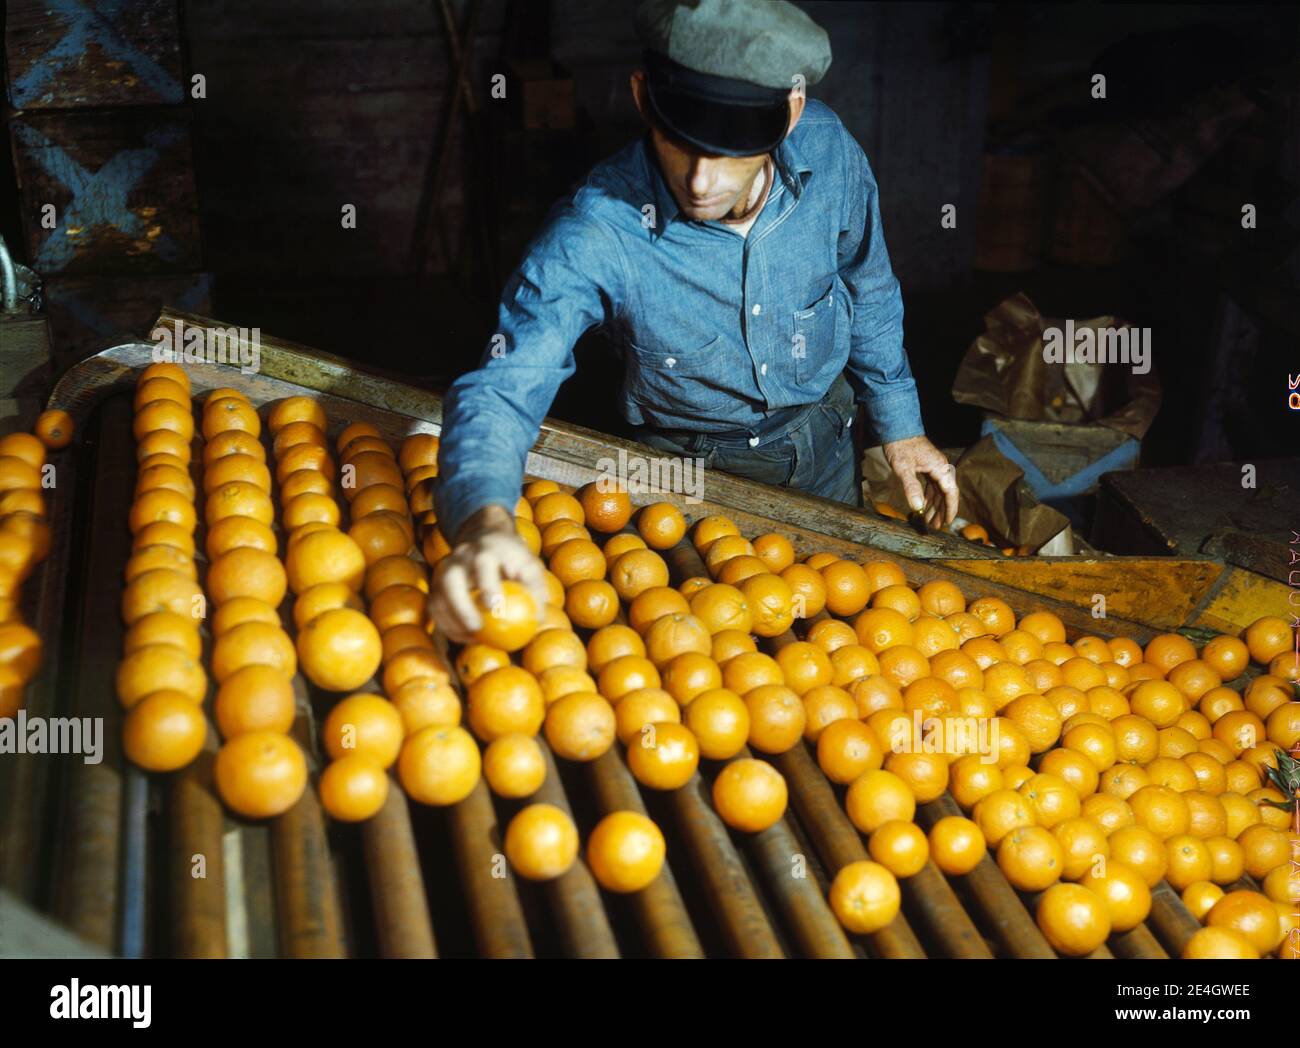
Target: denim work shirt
point(716, 331)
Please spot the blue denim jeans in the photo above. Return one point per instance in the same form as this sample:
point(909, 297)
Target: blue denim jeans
point(813, 451)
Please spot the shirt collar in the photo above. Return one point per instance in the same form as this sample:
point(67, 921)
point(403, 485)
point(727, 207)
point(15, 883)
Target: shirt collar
point(790, 166)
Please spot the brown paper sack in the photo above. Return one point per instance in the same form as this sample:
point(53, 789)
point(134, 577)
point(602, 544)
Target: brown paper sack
point(1004, 372)
point(993, 493)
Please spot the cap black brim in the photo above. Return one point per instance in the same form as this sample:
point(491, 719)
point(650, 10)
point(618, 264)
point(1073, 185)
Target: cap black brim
point(721, 129)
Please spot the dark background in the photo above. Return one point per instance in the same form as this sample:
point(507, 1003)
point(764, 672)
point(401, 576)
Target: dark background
point(313, 104)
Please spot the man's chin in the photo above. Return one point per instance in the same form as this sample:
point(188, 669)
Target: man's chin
point(710, 213)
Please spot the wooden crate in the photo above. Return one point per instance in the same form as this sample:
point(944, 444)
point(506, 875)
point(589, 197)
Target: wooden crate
point(66, 54)
point(122, 186)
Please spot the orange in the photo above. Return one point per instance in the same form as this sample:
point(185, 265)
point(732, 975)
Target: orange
point(852, 663)
point(157, 414)
point(238, 498)
point(750, 795)
point(308, 508)
point(364, 723)
point(162, 504)
point(1094, 649)
point(958, 669)
point(240, 610)
point(440, 765)
point(966, 625)
point(353, 788)
point(1251, 915)
point(770, 600)
point(260, 774)
point(1095, 742)
point(882, 628)
point(361, 471)
point(1167, 650)
point(901, 847)
point(847, 588)
point(1107, 702)
point(509, 619)
point(1077, 770)
point(1283, 726)
point(689, 675)
point(1023, 648)
point(296, 409)
point(153, 558)
point(956, 845)
point(876, 797)
point(846, 749)
point(1271, 816)
point(901, 599)
point(227, 413)
point(937, 597)
point(737, 569)
point(1082, 673)
point(804, 666)
point(1194, 678)
point(541, 842)
point(381, 534)
point(231, 442)
point(164, 731)
point(557, 505)
point(395, 571)
point(882, 573)
point(514, 766)
point(775, 551)
point(1227, 859)
point(553, 647)
point(605, 506)
point(643, 707)
point(378, 498)
point(616, 545)
point(1189, 861)
point(154, 667)
point(352, 431)
point(926, 774)
point(612, 642)
point(1240, 777)
point(1012, 746)
point(1206, 815)
point(1161, 810)
point(1262, 696)
point(239, 532)
point(411, 663)
point(970, 780)
point(323, 597)
point(423, 701)
point(1038, 718)
point(673, 635)
point(1266, 848)
point(475, 660)
point(1031, 858)
point(1200, 896)
point(339, 649)
point(1282, 885)
point(580, 726)
point(419, 449)
point(1074, 920)
point(230, 468)
point(808, 587)
point(247, 572)
point(864, 897)
point(295, 433)
point(722, 607)
point(1140, 850)
point(162, 475)
point(163, 627)
point(559, 532)
point(1227, 656)
point(535, 489)
point(576, 559)
point(507, 699)
point(1219, 944)
point(591, 603)
point(664, 756)
point(1044, 625)
point(625, 851)
point(1136, 739)
point(777, 717)
point(830, 634)
point(327, 555)
point(661, 525)
point(160, 387)
point(823, 706)
point(254, 698)
point(707, 529)
point(931, 697)
point(1268, 637)
point(749, 670)
point(1158, 701)
point(1001, 812)
point(996, 616)
point(627, 673)
point(903, 664)
point(1239, 730)
point(1107, 812)
point(1050, 799)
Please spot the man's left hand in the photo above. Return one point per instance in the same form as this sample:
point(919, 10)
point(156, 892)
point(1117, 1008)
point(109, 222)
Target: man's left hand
point(929, 479)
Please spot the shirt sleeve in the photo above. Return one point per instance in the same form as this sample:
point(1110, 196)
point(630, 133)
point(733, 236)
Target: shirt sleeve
point(878, 368)
point(491, 416)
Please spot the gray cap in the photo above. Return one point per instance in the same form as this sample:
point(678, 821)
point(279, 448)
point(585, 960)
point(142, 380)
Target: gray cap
point(766, 42)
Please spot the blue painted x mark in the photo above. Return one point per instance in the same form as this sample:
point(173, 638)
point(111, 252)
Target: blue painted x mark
point(99, 198)
point(98, 27)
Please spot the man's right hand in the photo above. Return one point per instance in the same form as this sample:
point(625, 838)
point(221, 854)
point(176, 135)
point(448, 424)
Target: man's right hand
point(487, 550)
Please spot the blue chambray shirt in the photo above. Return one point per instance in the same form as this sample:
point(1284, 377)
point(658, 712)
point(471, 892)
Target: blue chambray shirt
point(716, 331)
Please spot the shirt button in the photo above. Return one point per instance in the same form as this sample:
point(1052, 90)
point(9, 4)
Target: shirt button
point(757, 309)
point(763, 370)
point(671, 361)
point(753, 442)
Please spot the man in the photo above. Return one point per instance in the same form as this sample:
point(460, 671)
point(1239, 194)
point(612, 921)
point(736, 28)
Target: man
point(736, 256)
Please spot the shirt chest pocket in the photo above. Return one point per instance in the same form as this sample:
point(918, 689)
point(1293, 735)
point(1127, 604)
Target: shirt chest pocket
point(812, 335)
point(691, 383)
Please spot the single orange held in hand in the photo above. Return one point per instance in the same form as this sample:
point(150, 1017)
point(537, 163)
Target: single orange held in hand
point(510, 619)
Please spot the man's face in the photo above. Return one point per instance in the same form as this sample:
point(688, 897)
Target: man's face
point(705, 187)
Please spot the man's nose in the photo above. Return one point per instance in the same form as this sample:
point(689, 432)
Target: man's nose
point(700, 177)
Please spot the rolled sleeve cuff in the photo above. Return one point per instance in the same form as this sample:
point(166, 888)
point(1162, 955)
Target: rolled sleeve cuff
point(460, 499)
point(895, 415)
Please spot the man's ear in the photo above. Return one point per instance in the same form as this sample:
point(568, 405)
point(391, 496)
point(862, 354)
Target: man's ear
point(796, 109)
point(637, 82)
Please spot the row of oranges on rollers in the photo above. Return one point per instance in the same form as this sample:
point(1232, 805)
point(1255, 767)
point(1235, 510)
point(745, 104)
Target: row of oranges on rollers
point(25, 473)
point(1115, 766)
